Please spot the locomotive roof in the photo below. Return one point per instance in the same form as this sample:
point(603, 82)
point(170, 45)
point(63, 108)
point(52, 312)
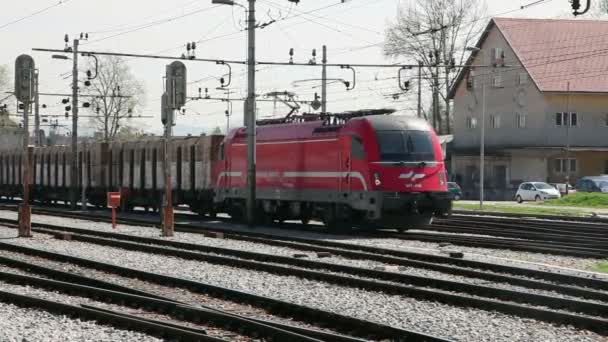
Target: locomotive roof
point(396, 123)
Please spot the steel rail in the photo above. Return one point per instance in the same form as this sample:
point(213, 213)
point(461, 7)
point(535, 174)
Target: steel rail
point(585, 219)
point(573, 231)
point(93, 282)
point(581, 241)
point(346, 324)
point(504, 243)
point(479, 290)
point(182, 312)
point(322, 245)
point(415, 292)
point(120, 321)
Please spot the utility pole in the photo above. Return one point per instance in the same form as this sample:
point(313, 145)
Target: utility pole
point(419, 89)
point(568, 123)
point(37, 136)
point(74, 167)
point(324, 84)
point(482, 150)
point(168, 205)
point(251, 117)
point(436, 113)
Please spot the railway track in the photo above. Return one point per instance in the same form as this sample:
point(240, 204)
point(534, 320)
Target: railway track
point(565, 238)
point(351, 326)
point(576, 312)
point(488, 214)
point(355, 251)
point(585, 240)
point(179, 312)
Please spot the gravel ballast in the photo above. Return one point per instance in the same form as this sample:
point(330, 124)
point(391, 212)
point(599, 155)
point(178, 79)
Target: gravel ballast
point(78, 300)
point(545, 262)
point(178, 294)
point(20, 324)
point(289, 252)
point(432, 318)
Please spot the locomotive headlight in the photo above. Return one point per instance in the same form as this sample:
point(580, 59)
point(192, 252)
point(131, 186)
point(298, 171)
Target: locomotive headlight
point(377, 180)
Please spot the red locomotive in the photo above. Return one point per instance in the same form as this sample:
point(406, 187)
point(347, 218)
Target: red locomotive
point(354, 168)
point(348, 169)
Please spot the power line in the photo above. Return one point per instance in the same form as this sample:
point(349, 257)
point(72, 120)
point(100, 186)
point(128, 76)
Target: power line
point(154, 23)
point(61, 2)
point(127, 26)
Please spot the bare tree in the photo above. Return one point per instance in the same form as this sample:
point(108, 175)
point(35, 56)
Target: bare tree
point(117, 94)
point(216, 131)
point(436, 33)
point(4, 79)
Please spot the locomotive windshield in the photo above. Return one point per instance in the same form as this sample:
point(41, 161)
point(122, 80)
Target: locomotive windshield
point(406, 146)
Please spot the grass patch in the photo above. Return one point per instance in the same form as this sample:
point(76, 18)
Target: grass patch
point(582, 199)
point(517, 209)
point(601, 267)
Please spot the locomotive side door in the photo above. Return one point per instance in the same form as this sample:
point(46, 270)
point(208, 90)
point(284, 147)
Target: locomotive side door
point(345, 167)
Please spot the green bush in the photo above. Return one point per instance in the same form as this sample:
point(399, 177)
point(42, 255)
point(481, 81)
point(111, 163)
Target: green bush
point(582, 199)
point(602, 267)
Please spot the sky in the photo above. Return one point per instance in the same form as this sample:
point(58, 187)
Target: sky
point(352, 30)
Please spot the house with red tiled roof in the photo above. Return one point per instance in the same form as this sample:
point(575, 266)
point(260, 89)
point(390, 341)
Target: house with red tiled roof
point(546, 105)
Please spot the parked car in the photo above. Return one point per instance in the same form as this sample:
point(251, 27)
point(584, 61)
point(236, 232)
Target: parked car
point(536, 191)
point(561, 187)
point(455, 190)
point(593, 184)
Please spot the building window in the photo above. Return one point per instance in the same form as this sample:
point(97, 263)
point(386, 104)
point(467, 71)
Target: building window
point(497, 81)
point(471, 80)
point(573, 119)
point(471, 122)
point(563, 165)
point(606, 119)
point(563, 119)
point(521, 120)
point(498, 57)
point(523, 78)
point(606, 167)
point(495, 121)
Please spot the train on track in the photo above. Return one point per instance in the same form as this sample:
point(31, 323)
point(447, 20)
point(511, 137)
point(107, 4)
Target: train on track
point(363, 168)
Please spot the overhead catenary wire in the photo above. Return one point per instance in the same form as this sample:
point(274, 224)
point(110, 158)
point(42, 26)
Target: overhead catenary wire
point(40, 11)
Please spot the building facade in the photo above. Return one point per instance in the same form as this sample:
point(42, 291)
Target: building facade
point(546, 105)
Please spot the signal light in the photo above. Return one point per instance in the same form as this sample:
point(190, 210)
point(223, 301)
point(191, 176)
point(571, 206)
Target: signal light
point(65, 101)
point(86, 105)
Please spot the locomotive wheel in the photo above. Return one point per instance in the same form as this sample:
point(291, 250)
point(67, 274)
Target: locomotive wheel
point(335, 219)
point(306, 216)
point(419, 221)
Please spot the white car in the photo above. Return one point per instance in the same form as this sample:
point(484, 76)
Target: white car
point(536, 191)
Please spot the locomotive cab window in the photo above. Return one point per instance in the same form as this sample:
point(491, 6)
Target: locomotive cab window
point(357, 148)
point(410, 146)
point(222, 151)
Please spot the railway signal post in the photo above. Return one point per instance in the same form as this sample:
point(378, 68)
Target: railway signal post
point(24, 91)
point(173, 99)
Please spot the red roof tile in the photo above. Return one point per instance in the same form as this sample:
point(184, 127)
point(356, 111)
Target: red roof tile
point(556, 51)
